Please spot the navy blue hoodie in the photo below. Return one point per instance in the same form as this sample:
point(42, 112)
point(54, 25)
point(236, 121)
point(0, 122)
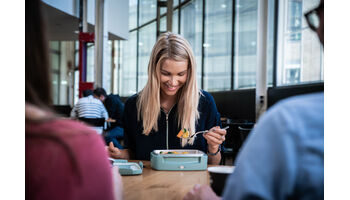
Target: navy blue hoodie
point(142, 145)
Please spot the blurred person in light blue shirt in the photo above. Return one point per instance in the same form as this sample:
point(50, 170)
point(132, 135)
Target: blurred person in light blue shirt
point(283, 157)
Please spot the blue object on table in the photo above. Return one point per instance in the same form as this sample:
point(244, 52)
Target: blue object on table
point(128, 168)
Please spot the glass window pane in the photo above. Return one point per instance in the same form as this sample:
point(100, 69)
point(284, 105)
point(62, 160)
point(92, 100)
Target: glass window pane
point(76, 53)
point(76, 86)
point(55, 88)
point(54, 45)
point(55, 61)
point(270, 40)
point(175, 25)
point(147, 38)
point(148, 11)
point(162, 26)
point(128, 66)
point(163, 10)
point(107, 67)
point(132, 14)
point(191, 29)
point(245, 50)
point(217, 45)
point(90, 70)
point(175, 3)
point(176, 21)
point(116, 69)
point(301, 55)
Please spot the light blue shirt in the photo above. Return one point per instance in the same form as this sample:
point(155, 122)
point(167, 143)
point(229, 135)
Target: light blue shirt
point(283, 155)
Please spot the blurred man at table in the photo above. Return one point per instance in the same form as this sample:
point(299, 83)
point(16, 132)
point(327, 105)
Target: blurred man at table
point(115, 109)
point(89, 107)
point(283, 157)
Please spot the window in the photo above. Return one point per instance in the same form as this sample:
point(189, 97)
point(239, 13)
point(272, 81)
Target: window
point(61, 61)
point(147, 38)
point(132, 14)
point(300, 58)
point(116, 67)
point(226, 56)
point(191, 29)
point(175, 24)
point(90, 63)
point(217, 45)
point(245, 50)
point(55, 55)
point(176, 21)
point(128, 66)
point(107, 67)
point(245, 40)
point(148, 11)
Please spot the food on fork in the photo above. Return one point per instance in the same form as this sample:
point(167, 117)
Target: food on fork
point(184, 133)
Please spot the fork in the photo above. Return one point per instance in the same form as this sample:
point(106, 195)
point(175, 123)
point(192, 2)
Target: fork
point(204, 132)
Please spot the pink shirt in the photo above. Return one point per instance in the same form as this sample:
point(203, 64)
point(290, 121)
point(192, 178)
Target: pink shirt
point(66, 160)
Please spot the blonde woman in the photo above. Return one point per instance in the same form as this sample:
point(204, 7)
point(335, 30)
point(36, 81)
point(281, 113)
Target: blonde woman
point(170, 102)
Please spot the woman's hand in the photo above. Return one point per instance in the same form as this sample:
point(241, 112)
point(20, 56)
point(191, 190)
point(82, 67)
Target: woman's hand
point(215, 137)
point(201, 192)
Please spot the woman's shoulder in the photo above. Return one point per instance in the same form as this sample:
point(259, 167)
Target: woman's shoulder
point(62, 128)
point(206, 97)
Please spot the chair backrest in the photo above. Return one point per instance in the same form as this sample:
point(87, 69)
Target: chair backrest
point(237, 133)
point(63, 109)
point(96, 122)
point(244, 131)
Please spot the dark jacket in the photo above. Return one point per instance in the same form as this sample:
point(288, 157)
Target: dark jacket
point(142, 145)
point(115, 109)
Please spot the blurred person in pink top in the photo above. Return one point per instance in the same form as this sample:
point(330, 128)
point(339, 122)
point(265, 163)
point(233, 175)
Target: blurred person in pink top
point(56, 167)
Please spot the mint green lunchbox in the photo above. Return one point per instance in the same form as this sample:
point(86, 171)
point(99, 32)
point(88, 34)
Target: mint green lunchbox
point(192, 160)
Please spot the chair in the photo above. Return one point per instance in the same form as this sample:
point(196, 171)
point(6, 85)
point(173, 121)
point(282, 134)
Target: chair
point(244, 132)
point(63, 110)
point(97, 123)
point(235, 137)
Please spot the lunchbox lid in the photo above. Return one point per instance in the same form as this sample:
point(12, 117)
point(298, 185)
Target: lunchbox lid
point(179, 152)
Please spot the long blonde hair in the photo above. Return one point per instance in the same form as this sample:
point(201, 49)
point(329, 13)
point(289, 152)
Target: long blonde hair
point(175, 47)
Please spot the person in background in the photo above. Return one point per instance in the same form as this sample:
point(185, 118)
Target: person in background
point(87, 93)
point(115, 109)
point(170, 102)
point(89, 107)
point(56, 167)
point(283, 157)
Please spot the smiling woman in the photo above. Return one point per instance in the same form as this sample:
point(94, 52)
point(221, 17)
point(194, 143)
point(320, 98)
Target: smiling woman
point(170, 102)
point(173, 77)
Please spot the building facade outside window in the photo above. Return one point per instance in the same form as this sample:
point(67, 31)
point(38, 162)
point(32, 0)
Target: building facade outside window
point(300, 55)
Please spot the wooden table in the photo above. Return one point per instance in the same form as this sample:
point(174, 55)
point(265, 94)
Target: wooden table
point(153, 184)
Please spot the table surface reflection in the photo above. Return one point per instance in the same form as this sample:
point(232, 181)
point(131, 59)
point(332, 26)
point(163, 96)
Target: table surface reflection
point(153, 184)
